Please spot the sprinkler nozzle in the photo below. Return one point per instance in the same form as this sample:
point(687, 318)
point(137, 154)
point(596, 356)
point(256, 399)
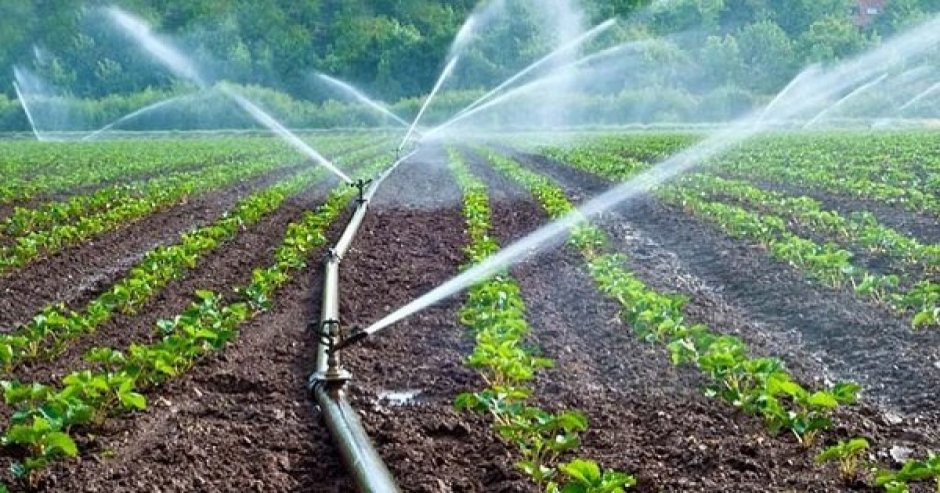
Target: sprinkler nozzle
point(361, 185)
point(355, 335)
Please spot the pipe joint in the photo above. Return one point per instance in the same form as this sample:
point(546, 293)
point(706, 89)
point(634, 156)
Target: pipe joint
point(330, 256)
point(334, 374)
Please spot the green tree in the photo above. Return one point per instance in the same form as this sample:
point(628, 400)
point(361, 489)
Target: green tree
point(721, 60)
point(831, 38)
point(768, 56)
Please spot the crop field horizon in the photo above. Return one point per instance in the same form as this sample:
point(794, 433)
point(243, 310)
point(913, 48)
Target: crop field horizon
point(558, 246)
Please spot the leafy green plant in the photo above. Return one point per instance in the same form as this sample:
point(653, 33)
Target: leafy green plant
point(584, 476)
point(848, 453)
point(495, 314)
point(45, 415)
point(913, 470)
point(759, 386)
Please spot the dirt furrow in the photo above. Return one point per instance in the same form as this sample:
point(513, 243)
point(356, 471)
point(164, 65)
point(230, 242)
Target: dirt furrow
point(230, 265)
point(923, 227)
point(241, 420)
point(648, 417)
point(76, 274)
point(783, 313)
point(411, 242)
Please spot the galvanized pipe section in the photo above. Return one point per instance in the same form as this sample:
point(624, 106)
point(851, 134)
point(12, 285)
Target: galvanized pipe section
point(329, 308)
point(363, 462)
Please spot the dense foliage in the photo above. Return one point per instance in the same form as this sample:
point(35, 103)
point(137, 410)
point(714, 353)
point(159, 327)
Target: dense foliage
point(747, 48)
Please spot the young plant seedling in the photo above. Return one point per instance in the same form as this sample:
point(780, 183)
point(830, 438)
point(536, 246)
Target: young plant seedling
point(848, 453)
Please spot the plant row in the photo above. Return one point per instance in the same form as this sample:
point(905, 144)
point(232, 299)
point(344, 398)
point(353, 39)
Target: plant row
point(862, 228)
point(895, 168)
point(158, 194)
point(48, 417)
point(48, 332)
point(495, 314)
point(26, 220)
point(827, 262)
point(38, 168)
point(850, 456)
point(755, 385)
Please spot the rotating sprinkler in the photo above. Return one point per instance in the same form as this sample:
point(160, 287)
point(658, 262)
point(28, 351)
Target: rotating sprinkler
point(361, 185)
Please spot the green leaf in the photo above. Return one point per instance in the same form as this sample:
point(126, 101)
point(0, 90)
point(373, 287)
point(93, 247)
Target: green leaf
point(824, 400)
point(60, 443)
point(583, 471)
point(133, 400)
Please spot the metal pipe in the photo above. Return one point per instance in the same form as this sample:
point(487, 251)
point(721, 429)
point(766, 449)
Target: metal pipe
point(329, 308)
point(364, 464)
point(327, 383)
point(356, 221)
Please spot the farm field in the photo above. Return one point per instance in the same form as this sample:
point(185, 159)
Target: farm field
point(726, 328)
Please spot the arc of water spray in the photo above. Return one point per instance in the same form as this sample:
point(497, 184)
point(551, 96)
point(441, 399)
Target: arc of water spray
point(362, 98)
point(848, 97)
point(519, 91)
point(282, 131)
point(812, 70)
point(135, 114)
point(181, 66)
point(569, 46)
point(814, 91)
point(930, 90)
point(29, 113)
point(427, 102)
point(141, 32)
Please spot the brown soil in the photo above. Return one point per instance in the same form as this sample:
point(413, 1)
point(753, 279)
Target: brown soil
point(411, 242)
point(650, 418)
point(241, 420)
point(74, 275)
point(841, 335)
point(921, 226)
point(219, 271)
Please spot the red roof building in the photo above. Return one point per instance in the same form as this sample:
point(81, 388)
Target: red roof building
point(867, 10)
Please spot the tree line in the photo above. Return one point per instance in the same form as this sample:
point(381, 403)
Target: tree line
point(395, 48)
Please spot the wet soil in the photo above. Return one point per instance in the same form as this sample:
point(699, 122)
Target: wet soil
point(241, 420)
point(883, 263)
point(412, 241)
point(651, 418)
point(922, 226)
point(219, 271)
point(842, 336)
point(74, 275)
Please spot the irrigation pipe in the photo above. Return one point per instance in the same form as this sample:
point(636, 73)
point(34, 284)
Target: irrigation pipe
point(328, 382)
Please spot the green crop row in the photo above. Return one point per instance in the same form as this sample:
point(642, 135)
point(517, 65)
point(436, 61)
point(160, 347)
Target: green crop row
point(158, 194)
point(50, 330)
point(30, 169)
point(827, 262)
point(760, 386)
point(495, 314)
point(24, 220)
point(861, 228)
point(848, 453)
point(896, 168)
point(48, 416)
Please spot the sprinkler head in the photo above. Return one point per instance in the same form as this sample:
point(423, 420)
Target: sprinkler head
point(334, 375)
point(356, 334)
point(361, 184)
